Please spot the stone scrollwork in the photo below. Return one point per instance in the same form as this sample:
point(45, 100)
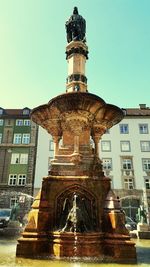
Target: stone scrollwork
point(54, 128)
point(98, 130)
point(77, 50)
point(76, 121)
point(76, 158)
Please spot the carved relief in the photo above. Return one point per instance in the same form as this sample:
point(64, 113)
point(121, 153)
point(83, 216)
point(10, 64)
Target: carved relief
point(76, 77)
point(76, 121)
point(54, 128)
point(77, 50)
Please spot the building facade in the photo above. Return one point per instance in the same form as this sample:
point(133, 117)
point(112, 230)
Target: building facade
point(18, 146)
point(125, 154)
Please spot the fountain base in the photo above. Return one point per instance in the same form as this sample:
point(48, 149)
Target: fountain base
point(77, 247)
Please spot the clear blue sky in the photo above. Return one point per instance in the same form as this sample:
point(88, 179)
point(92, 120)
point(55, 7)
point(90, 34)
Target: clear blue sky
point(33, 68)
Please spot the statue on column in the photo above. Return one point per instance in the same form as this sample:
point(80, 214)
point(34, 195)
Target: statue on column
point(76, 27)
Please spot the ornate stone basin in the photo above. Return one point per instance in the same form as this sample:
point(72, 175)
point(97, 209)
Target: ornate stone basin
point(88, 109)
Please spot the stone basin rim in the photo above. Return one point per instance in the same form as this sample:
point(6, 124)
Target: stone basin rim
point(105, 105)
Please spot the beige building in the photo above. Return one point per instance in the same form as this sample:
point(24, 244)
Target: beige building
point(125, 152)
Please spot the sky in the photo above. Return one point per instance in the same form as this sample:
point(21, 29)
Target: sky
point(33, 68)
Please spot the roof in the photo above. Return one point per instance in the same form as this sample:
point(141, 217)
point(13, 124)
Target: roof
point(8, 113)
point(137, 112)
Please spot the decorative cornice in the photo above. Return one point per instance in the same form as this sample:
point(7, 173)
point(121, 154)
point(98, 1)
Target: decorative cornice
point(77, 50)
point(76, 77)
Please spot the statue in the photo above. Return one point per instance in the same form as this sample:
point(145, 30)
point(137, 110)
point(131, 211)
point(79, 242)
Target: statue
point(77, 219)
point(142, 218)
point(15, 212)
point(76, 27)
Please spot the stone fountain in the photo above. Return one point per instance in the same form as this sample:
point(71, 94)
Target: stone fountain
point(76, 214)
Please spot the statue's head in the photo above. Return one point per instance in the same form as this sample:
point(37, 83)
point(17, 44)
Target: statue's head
point(75, 11)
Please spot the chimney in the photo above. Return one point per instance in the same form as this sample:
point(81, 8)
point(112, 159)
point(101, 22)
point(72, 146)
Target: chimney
point(142, 106)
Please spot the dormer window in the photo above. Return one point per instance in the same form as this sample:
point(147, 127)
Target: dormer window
point(1, 111)
point(26, 111)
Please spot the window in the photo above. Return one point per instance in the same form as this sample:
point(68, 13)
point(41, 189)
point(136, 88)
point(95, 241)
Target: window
point(12, 179)
point(13, 202)
point(8, 122)
point(124, 129)
point(128, 183)
point(19, 158)
point(130, 205)
point(127, 164)
point(106, 145)
point(21, 179)
point(27, 122)
point(51, 145)
point(26, 139)
point(17, 138)
point(145, 146)
point(1, 111)
point(107, 164)
point(19, 122)
point(147, 183)
point(1, 122)
point(1, 138)
point(146, 164)
point(14, 158)
point(107, 131)
point(24, 158)
point(26, 111)
point(125, 146)
point(143, 128)
point(15, 179)
point(111, 181)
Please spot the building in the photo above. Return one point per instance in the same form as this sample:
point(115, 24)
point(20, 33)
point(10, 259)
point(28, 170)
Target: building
point(125, 154)
point(18, 145)
point(44, 155)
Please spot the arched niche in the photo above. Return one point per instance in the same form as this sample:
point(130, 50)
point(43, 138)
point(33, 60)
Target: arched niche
point(86, 206)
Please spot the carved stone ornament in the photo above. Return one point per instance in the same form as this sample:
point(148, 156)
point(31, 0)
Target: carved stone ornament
point(77, 50)
point(76, 121)
point(98, 130)
point(76, 77)
point(54, 128)
point(76, 158)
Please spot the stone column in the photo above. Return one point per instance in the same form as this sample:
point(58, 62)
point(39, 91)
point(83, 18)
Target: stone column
point(76, 54)
point(97, 132)
point(76, 144)
point(96, 139)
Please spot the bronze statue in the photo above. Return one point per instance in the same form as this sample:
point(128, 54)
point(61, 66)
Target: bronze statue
point(76, 27)
point(77, 219)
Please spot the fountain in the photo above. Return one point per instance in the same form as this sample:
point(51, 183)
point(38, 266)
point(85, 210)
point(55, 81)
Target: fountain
point(76, 215)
